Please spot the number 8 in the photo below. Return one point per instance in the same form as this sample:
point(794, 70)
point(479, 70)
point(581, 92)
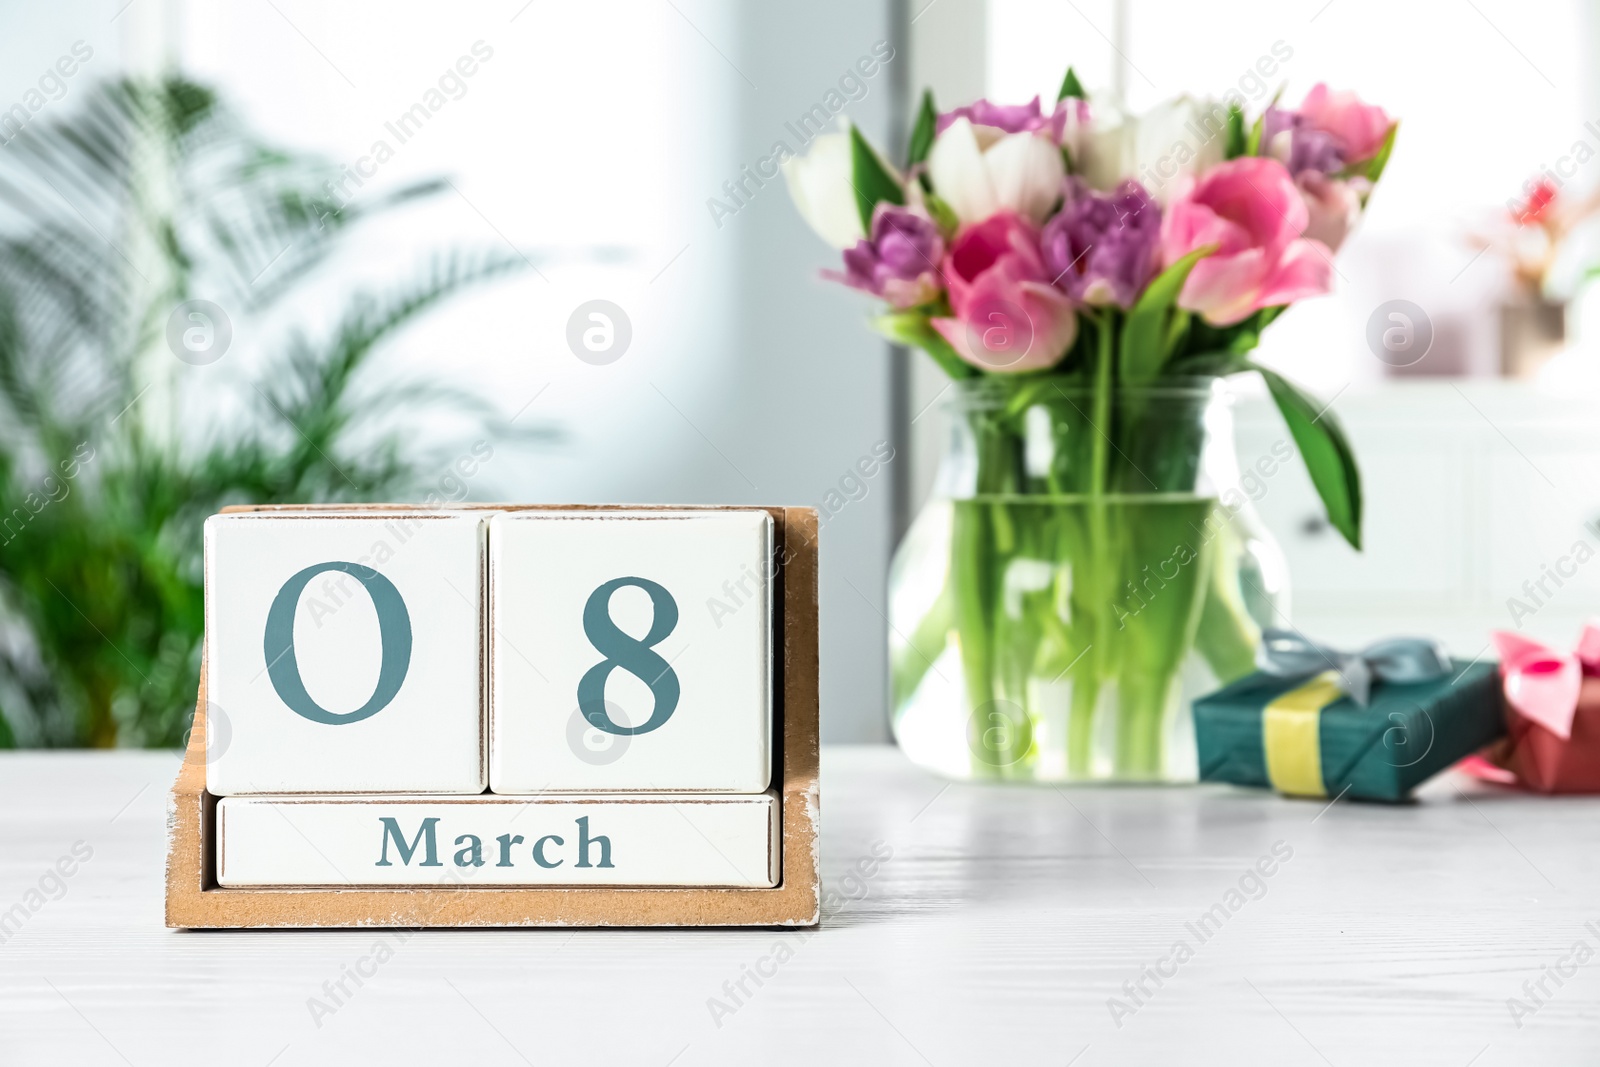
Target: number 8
point(637, 657)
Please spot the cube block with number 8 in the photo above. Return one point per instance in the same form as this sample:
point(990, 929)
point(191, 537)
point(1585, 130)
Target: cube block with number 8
point(344, 652)
point(630, 650)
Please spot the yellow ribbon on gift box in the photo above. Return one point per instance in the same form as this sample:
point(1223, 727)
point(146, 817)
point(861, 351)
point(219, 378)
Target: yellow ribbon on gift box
point(1289, 735)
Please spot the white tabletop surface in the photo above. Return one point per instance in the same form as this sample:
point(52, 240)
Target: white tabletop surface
point(996, 932)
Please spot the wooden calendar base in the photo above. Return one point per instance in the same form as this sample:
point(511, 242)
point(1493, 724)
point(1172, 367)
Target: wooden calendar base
point(195, 901)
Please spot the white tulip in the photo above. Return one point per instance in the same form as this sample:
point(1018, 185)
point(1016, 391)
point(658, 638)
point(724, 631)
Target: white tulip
point(958, 173)
point(1027, 171)
point(1175, 140)
point(820, 183)
point(979, 170)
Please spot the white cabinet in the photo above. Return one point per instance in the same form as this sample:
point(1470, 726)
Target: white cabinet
point(1538, 525)
point(1480, 504)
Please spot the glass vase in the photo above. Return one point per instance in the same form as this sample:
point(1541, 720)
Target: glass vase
point(1088, 565)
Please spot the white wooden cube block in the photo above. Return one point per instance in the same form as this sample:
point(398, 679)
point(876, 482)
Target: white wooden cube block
point(630, 650)
point(344, 652)
point(661, 839)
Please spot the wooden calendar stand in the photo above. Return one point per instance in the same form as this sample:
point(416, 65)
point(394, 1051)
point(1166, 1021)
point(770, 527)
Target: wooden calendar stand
point(195, 901)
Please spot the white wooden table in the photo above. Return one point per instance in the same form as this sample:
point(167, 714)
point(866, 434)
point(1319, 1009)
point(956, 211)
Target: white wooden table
point(996, 933)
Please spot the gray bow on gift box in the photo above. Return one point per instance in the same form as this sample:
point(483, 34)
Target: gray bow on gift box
point(1401, 660)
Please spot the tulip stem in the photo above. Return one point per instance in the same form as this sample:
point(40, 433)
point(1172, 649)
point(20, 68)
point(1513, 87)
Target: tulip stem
point(1080, 730)
point(1101, 456)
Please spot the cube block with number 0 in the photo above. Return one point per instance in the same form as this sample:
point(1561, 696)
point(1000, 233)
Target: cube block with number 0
point(630, 650)
point(344, 652)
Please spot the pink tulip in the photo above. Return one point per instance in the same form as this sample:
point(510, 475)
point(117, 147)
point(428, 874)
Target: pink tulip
point(1251, 211)
point(1359, 128)
point(1008, 318)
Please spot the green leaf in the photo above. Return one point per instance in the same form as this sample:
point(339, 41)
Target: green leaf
point(1245, 341)
point(1234, 145)
point(1326, 451)
point(872, 180)
point(1177, 333)
point(922, 133)
point(1373, 168)
point(913, 328)
point(1243, 338)
point(1071, 88)
point(943, 214)
point(1252, 146)
point(1144, 333)
point(1377, 164)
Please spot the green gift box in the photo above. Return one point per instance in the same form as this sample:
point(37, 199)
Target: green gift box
point(1304, 736)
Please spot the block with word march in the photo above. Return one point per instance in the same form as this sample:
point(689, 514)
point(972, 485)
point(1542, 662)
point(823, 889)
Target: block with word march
point(343, 652)
point(503, 715)
point(621, 839)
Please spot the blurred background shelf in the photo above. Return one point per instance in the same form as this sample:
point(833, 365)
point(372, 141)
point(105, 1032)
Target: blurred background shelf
point(1472, 488)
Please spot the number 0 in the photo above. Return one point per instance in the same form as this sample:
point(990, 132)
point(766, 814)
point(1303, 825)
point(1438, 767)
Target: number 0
point(394, 631)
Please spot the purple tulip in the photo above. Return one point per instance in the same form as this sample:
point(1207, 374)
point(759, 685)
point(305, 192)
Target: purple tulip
point(900, 262)
point(1101, 248)
point(1012, 118)
point(1306, 148)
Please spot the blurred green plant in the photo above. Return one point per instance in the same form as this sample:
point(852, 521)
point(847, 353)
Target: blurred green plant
point(152, 194)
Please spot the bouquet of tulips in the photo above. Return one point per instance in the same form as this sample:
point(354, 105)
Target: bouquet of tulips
point(1081, 259)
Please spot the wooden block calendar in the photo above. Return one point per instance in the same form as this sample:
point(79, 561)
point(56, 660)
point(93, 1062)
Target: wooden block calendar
point(649, 676)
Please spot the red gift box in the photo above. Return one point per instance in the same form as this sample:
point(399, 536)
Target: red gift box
point(1552, 717)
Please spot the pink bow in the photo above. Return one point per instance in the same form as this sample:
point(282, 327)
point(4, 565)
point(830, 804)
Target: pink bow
point(1542, 684)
